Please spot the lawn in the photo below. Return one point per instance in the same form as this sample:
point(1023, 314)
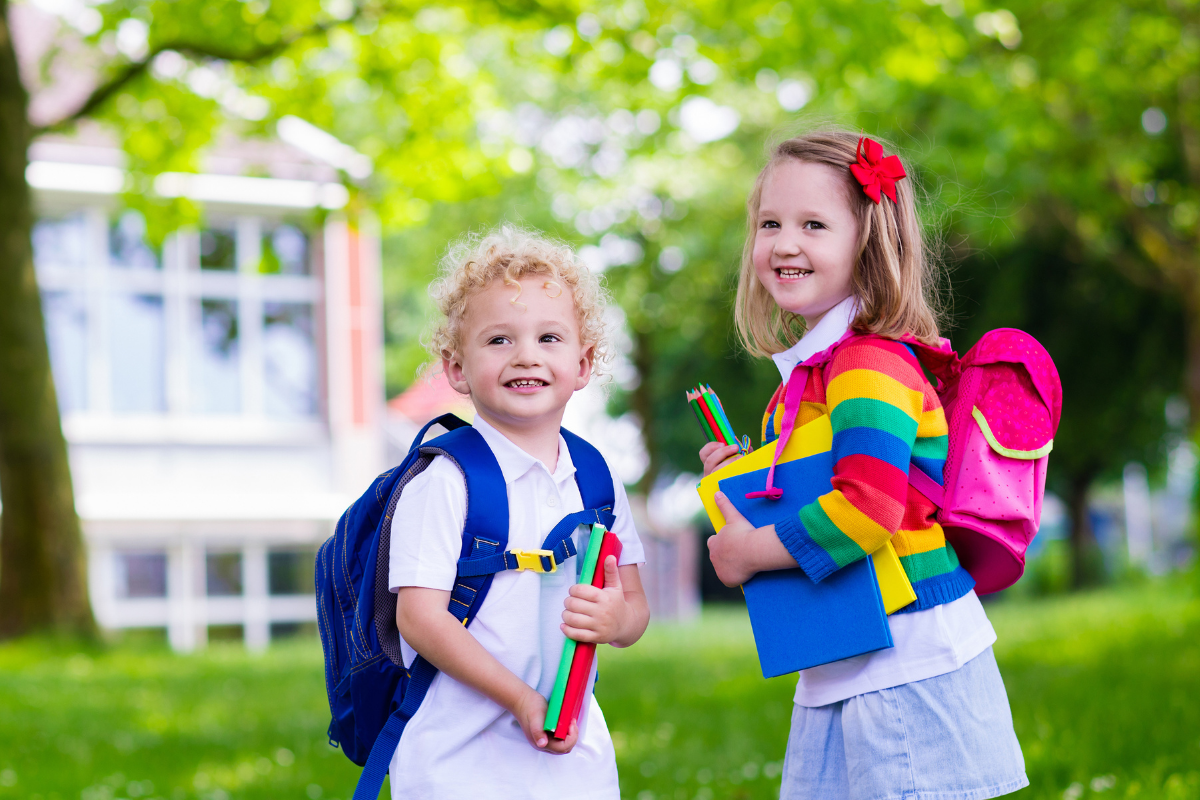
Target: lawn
point(1105, 689)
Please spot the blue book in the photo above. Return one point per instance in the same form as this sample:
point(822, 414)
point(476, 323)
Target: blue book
point(797, 623)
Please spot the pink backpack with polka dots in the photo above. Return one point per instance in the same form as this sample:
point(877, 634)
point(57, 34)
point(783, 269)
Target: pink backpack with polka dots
point(1002, 402)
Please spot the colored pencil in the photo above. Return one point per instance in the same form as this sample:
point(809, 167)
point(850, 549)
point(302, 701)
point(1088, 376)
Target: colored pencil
point(707, 409)
point(585, 652)
point(588, 572)
point(693, 399)
point(722, 417)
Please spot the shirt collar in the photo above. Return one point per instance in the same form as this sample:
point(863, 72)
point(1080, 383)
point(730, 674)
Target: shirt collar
point(515, 462)
point(824, 334)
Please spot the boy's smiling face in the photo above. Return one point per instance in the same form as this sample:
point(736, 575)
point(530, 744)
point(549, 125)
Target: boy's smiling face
point(520, 362)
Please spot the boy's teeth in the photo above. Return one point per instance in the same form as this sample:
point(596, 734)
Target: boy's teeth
point(527, 383)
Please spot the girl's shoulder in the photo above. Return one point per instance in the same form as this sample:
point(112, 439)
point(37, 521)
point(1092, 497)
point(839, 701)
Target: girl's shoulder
point(877, 354)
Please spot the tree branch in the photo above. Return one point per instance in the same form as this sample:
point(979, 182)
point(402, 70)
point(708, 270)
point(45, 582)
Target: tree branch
point(200, 50)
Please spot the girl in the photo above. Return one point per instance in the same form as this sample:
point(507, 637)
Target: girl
point(835, 247)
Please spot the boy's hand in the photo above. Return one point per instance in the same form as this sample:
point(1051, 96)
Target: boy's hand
point(531, 714)
point(716, 455)
point(731, 550)
point(597, 615)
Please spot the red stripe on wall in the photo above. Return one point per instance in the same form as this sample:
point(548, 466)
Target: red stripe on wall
point(357, 354)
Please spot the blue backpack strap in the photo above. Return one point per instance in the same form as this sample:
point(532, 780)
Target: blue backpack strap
point(594, 479)
point(595, 488)
point(485, 531)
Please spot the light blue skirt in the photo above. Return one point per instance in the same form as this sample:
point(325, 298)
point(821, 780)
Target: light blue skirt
point(949, 737)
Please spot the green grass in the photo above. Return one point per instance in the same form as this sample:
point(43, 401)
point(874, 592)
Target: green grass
point(1105, 690)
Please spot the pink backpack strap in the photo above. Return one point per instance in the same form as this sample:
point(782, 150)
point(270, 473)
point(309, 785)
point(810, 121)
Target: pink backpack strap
point(791, 409)
point(926, 485)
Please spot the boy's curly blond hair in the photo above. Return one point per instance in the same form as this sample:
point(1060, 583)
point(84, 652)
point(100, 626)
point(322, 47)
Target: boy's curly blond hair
point(509, 253)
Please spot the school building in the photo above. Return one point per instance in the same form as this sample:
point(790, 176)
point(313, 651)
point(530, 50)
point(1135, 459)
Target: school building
point(221, 394)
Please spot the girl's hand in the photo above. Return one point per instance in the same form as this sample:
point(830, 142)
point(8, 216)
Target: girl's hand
point(728, 549)
point(597, 615)
point(530, 712)
point(716, 455)
point(739, 550)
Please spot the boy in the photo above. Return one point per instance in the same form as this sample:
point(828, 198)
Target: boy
point(522, 331)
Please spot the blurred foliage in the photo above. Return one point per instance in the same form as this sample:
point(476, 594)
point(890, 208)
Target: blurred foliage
point(1102, 688)
point(635, 128)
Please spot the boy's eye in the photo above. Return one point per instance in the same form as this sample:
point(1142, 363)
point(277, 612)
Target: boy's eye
point(498, 340)
point(549, 337)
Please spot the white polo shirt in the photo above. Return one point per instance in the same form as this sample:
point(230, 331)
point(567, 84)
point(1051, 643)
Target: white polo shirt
point(460, 744)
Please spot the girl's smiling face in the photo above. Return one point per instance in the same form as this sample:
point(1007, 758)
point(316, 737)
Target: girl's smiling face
point(806, 242)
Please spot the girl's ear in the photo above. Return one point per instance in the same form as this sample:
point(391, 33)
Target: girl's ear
point(585, 367)
point(452, 366)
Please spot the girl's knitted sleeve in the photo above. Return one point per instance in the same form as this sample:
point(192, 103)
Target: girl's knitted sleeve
point(875, 393)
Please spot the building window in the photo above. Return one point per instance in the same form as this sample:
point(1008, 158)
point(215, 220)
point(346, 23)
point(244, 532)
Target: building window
point(218, 249)
point(60, 242)
point(289, 360)
point(141, 575)
point(137, 357)
point(67, 336)
point(127, 244)
point(219, 321)
point(285, 252)
point(223, 574)
point(290, 571)
point(216, 368)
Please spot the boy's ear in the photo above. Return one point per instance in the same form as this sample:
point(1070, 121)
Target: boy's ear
point(585, 367)
point(452, 366)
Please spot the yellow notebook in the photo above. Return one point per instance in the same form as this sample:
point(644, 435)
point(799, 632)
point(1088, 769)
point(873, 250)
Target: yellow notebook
point(809, 440)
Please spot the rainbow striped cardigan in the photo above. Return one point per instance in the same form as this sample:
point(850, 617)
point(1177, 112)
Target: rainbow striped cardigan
point(886, 419)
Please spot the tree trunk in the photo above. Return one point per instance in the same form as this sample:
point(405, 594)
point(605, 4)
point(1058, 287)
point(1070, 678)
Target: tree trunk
point(43, 582)
point(642, 403)
point(1084, 550)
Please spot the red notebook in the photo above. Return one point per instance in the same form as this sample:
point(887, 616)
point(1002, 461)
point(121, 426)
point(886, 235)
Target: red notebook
point(585, 653)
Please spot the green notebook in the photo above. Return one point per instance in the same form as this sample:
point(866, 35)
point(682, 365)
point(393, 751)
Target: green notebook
point(590, 557)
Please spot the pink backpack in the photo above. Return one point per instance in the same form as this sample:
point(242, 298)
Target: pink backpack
point(1002, 402)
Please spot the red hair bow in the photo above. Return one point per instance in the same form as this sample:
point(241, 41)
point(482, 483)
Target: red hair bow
point(876, 173)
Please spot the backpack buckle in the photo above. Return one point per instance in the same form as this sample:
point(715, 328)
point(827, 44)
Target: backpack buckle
point(535, 560)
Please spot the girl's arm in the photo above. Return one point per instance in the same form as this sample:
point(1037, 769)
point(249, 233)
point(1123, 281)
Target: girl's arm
point(876, 399)
point(425, 622)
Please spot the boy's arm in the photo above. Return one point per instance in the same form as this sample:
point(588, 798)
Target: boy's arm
point(425, 622)
point(617, 614)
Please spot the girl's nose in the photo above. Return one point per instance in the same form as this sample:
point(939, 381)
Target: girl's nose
point(787, 244)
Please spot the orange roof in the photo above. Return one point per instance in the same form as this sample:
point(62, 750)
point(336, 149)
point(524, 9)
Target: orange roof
point(429, 397)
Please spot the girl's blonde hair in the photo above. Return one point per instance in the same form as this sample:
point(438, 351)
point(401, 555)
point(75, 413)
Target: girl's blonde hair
point(509, 253)
point(895, 276)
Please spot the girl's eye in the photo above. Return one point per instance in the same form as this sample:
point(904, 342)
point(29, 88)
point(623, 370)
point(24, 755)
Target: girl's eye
point(770, 224)
point(813, 225)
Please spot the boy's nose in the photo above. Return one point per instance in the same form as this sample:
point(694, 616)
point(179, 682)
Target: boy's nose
point(526, 354)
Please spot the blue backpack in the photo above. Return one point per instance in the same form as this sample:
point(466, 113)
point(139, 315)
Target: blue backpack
point(371, 695)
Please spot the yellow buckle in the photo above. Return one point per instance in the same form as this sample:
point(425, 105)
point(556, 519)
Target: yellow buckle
point(532, 559)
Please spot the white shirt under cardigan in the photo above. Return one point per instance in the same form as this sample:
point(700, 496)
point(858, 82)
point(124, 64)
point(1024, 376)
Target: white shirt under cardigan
point(460, 744)
point(927, 643)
